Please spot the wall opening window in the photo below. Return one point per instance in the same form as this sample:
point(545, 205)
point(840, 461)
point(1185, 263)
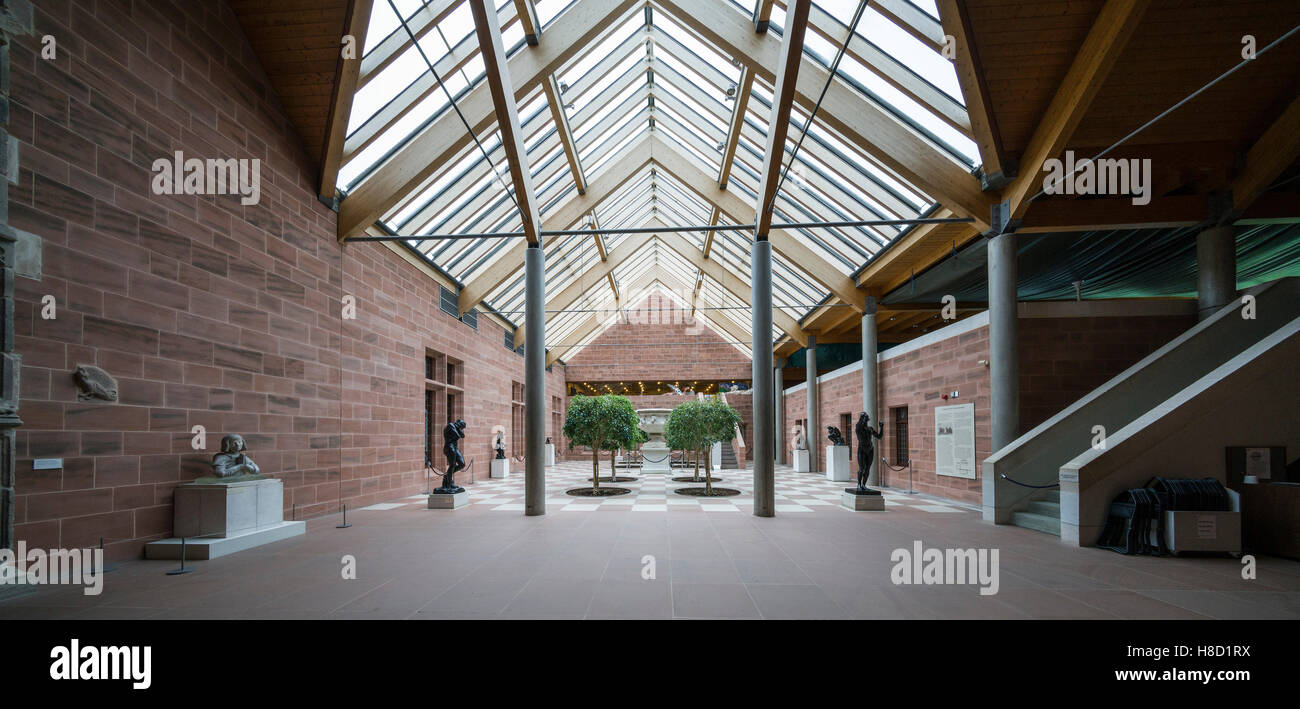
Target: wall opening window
point(899, 417)
point(443, 396)
point(846, 430)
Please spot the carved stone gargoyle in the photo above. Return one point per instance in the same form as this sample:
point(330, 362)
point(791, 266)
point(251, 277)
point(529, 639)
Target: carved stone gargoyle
point(94, 384)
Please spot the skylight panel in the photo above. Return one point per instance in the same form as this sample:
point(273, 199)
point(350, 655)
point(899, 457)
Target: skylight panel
point(695, 46)
point(634, 23)
point(608, 155)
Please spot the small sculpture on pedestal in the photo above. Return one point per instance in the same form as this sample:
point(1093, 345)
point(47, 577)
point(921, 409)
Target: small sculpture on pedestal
point(866, 451)
point(836, 438)
point(800, 444)
point(451, 435)
point(499, 445)
point(232, 462)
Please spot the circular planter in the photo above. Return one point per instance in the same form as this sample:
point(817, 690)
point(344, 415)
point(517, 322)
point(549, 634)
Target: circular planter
point(689, 479)
point(602, 492)
point(701, 492)
point(619, 479)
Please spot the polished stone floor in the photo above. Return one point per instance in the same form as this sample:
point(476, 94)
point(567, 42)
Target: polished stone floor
point(490, 561)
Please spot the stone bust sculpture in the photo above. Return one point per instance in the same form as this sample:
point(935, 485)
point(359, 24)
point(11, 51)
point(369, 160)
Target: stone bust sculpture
point(799, 443)
point(232, 461)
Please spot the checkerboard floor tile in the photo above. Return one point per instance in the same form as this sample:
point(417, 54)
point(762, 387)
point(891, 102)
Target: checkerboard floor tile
point(802, 493)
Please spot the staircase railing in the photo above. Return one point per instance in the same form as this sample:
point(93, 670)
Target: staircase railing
point(1036, 457)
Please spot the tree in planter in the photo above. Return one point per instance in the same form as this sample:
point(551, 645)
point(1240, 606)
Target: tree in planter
point(598, 422)
point(720, 422)
point(685, 430)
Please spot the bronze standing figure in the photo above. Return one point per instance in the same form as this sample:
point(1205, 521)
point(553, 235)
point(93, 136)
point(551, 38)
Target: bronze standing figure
point(866, 448)
point(451, 436)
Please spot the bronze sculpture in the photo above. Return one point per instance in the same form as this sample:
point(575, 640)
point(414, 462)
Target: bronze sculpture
point(836, 438)
point(232, 461)
point(866, 449)
point(451, 436)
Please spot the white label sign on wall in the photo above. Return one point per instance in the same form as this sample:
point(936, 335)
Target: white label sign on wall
point(954, 440)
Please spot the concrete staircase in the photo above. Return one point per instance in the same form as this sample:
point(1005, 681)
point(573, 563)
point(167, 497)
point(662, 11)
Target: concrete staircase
point(728, 456)
point(1122, 406)
point(1042, 513)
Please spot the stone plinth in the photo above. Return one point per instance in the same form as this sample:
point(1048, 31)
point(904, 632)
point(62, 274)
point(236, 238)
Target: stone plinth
point(220, 509)
point(800, 459)
point(837, 463)
point(550, 457)
point(443, 501)
point(500, 468)
point(860, 503)
point(220, 518)
point(656, 458)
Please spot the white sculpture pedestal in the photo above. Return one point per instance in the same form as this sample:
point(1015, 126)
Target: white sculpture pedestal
point(221, 518)
point(860, 503)
point(500, 468)
point(443, 501)
point(550, 455)
point(837, 463)
point(656, 458)
point(715, 456)
point(800, 460)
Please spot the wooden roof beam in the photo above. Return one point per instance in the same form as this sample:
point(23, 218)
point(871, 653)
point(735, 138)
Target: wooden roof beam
point(778, 124)
point(579, 27)
point(346, 76)
point(737, 126)
point(1274, 152)
point(844, 110)
point(561, 119)
point(1110, 32)
point(996, 168)
point(497, 72)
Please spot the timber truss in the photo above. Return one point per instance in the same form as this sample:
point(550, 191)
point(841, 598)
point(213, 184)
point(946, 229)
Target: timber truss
point(636, 113)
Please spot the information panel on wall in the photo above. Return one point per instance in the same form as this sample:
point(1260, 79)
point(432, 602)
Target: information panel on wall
point(954, 440)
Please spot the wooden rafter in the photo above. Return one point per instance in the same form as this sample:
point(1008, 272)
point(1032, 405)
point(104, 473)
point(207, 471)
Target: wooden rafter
point(739, 106)
point(527, 14)
point(499, 271)
point(1092, 64)
point(346, 78)
point(493, 52)
point(894, 72)
point(778, 124)
point(843, 110)
point(580, 26)
point(1275, 150)
point(979, 109)
point(561, 119)
point(670, 159)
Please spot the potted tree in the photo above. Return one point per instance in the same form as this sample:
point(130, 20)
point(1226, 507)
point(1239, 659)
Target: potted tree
point(720, 422)
point(599, 422)
point(684, 431)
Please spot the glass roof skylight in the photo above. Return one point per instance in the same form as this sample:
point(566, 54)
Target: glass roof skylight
point(648, 90)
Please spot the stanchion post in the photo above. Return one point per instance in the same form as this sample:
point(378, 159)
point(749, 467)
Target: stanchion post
point(345, 524)
point(183, 569)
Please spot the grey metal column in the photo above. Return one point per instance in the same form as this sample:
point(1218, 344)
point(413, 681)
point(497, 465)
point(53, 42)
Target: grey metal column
point(764, 468)
point(869, 385)
point(535, 381)
point(1004, 364)
point(812, 434)
point(778, 430)
point(1216, 269)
